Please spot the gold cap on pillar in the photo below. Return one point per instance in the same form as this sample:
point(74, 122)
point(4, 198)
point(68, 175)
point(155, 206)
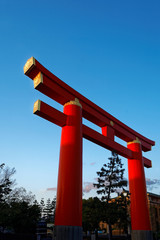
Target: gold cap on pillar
point(73, 102)
point(134, 141)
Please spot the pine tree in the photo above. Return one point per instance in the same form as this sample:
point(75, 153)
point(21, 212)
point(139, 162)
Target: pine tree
point(49, 210)
point(110, 178)
point(53, 204)
point(42, 206)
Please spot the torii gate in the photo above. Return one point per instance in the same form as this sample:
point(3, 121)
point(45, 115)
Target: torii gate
point(68, 219)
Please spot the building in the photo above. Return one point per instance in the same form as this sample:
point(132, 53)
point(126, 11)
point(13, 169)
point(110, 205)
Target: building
point(154, 210)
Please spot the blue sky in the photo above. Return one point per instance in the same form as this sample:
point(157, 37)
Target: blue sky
point(107, 50)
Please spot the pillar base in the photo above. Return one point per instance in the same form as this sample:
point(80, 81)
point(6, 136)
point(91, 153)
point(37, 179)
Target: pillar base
point(141, 235)
point(68, 233)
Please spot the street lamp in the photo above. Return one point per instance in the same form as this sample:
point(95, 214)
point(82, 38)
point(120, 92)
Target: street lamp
point(126, 195)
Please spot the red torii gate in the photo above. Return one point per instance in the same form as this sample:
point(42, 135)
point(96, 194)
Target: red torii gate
point(68, 219)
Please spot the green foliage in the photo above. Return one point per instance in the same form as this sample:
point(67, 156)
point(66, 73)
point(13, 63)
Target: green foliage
point(42, 206)
point(6, 182)
point(110, 178)
point(49, 210)
point(23, 217)
point(18, 209)
point(91, 216)
point(110, 212)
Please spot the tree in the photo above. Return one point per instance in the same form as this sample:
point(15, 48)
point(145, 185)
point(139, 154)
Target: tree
point(53, 204)
point(6, 181)
point(49, 210)
point(24, 216)
point(110, 178)
point(20, 195)
point(42, 207)
point(6, 184)
point(91, 213)
point(19, 213)
point(18, 209)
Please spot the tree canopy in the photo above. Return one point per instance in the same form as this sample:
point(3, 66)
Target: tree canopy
point(91, 213)
point(19, 211)
point(110, 178)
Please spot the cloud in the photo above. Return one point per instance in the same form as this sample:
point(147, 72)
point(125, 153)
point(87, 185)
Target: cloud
point(52, 189)
point(152, 183)
point(88, 186)
point(119, 190)
point(93, 163)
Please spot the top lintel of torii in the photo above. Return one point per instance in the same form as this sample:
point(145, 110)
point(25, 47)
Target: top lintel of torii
point(50, 85)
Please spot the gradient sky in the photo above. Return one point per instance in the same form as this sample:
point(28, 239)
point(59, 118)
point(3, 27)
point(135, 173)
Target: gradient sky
point(107, 50)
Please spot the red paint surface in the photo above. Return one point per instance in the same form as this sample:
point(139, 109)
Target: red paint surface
point(56, 89)
point(137, 185)
point(109, 132)
point(69, 192)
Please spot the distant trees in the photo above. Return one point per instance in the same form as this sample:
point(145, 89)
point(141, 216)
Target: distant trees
point(48, 209)
point(6, 181)
point(23, 217)
point(18, 210)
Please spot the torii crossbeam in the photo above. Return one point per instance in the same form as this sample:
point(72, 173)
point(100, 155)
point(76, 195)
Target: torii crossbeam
point(68, 218)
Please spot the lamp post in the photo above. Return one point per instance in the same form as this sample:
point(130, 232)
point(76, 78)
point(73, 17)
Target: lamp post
point(125, 196)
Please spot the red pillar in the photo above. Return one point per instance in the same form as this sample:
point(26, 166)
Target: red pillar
point(68, 219)
point(140, 220)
